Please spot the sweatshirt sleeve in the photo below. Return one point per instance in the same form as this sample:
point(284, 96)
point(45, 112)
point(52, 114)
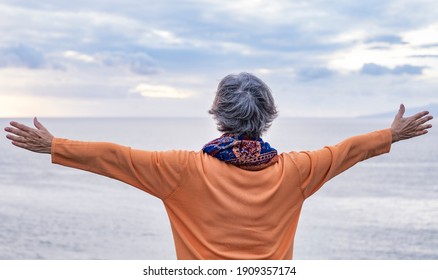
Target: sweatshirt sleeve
point(317, 167)
point(155, 172)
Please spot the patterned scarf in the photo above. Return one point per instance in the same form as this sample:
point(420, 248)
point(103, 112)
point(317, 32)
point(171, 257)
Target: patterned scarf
point(242, 151)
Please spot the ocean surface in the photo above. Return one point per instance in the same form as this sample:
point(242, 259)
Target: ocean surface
point(383, 208)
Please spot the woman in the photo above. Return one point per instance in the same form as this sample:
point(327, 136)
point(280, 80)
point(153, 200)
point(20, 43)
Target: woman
point(237, 198)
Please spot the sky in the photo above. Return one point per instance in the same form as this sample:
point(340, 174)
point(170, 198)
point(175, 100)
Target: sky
point(125, 58)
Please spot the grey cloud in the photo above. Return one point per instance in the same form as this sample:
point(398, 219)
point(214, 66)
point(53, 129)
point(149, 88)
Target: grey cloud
point(136, 62)
point(425, 56)
point(27, 56)
point(378, 70)
point(429, 46)
point(389, 39)
point(408, 69)
point(357, 9)
point(143, 64)
point(374, 69)
point(22, 56)
point(139, 63)
point(314, 73)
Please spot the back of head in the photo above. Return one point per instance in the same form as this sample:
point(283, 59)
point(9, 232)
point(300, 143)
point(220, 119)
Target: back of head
point(243, 105)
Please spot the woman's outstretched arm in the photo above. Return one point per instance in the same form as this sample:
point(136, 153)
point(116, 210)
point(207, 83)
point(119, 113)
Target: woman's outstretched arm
point(322, 165)
point(155, 172)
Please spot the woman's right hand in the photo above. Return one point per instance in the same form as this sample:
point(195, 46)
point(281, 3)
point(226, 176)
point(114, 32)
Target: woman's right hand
point(37, 139)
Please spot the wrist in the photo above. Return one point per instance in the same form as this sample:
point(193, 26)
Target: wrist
point(49, 146)
point(395, 136)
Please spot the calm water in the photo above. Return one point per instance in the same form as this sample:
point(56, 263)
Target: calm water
point(384, 208)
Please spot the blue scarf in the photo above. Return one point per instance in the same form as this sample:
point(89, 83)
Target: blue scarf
point(242, 151)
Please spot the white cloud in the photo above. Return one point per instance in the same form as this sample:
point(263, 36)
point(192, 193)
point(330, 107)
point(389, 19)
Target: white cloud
point(79, 56)
point(167, 37)
point(426, 35)
point(350, 36)
point(387, 53)
point(265, 14)
point(161, 91)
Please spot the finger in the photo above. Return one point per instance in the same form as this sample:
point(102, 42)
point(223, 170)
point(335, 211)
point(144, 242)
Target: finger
point(419, 115)
point(16, 131)
point(424, 127)
point(21, 145)
point(16, 138)
point(400, 112)
point(38, 124)
point(421, 132)
point(22, 126)
point(424, 120)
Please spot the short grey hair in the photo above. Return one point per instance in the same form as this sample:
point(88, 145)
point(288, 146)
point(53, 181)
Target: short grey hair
point(243, 105)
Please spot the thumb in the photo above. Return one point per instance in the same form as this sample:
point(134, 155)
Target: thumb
point(38, 124)
point(401, 112)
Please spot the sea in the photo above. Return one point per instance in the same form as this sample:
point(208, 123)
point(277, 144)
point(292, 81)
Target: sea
point(383, 208)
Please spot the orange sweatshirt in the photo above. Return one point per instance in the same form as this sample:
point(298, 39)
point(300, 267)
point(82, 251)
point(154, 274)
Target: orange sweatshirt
point(217, 210)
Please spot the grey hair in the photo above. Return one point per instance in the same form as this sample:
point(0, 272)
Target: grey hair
point(243, 105)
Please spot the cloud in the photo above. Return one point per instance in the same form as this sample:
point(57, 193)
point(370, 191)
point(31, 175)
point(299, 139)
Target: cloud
point(109, 49)
point(161, 91)
point(425, 56)
point(314, 73)
point(429, 46)
point(25, 56)
point(139, 63)
point(389, 39)
point(375, 69)
point(423, 36)
point(22, 56)
point(378, 70)
point(408, 69)
point(79, 56)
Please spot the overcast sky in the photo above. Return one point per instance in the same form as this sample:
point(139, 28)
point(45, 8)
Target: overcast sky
point(165, 58)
